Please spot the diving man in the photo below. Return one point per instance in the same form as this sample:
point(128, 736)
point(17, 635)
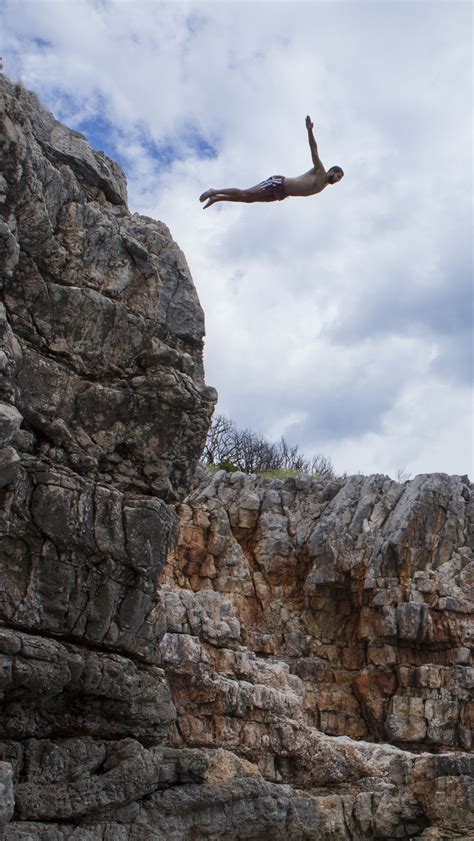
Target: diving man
point(277, 187)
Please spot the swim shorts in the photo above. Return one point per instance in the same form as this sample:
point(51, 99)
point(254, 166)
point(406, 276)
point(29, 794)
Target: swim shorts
point(273, 188)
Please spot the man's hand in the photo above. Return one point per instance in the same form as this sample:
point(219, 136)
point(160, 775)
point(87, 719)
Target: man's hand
point(309, 124)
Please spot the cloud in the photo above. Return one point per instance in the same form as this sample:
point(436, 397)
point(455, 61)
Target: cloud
point(344, 319)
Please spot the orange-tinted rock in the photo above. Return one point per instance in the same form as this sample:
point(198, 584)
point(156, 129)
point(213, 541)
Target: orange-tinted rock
point(353, 602)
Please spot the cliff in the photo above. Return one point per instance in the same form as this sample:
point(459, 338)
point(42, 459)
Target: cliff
point(322, 630)
point(201, 659)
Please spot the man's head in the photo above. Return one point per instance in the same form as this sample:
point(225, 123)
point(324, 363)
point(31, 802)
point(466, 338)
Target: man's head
point(334, 174)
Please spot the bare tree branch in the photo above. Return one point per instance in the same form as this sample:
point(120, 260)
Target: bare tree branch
point(252, 453)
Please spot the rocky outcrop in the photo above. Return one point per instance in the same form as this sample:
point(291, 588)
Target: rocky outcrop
point(101, 326)
point(103, 406)
point(271, 661)
point(322, 631)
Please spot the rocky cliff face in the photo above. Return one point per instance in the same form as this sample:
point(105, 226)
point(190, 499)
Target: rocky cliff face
point(268, 661)
point(101, 323)
point(362, 588)
point(322, 630)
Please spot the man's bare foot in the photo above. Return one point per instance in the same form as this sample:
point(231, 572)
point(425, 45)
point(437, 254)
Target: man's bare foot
point(212, 200)
point(206, 195)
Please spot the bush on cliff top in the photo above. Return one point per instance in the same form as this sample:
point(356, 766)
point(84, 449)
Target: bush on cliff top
point(229, 448)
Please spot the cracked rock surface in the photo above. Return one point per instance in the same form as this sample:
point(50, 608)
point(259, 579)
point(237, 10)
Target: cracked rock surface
point(100, 322)
point(208, 658)
point(322, 630)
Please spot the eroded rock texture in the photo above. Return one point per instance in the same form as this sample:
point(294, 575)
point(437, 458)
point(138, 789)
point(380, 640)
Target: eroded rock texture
point(322, 630)
point(296, 667)
point(101, 325)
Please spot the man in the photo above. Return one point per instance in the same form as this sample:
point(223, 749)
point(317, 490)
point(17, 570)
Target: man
point(277, 187)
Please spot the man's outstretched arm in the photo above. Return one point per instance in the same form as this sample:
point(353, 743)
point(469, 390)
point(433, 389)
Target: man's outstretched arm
point(313, 145)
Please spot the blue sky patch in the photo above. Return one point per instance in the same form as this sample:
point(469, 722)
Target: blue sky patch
point(42, 43)
point(186, 142)
point(166, 152)
point(106, 136)
point(196, 23)
point(163, 153)
point(201, 146)
point(101, 134)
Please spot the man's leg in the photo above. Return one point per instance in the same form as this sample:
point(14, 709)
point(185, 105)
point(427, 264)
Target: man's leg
point(253, 194)
point(237, 195)
point(241, 197)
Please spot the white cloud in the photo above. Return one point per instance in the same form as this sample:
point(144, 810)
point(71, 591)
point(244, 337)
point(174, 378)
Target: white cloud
point(429, 429)
point(341, 320)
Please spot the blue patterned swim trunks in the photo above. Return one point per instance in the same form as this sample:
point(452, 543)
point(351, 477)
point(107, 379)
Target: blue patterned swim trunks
point(273, 188)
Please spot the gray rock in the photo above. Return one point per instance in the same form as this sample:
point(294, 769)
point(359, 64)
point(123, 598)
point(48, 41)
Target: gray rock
point(9, 466)
point(10, 420)
point(108, 364)
point(159, 793)
point(63, 145)
point(27, 831)
point(6, 796)
point(81, 560)
point(101, 363)
point(47, 687)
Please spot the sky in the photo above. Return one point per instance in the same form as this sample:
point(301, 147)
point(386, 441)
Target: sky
point(342, 321)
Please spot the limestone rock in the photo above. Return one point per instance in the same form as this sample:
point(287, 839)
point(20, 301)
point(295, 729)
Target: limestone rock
point(9, 465)
point(352, 603)
point(81, 560)
point(103, 413)
point(10, 420)
point(49, 688)
point(6, 796)
point(107, 365)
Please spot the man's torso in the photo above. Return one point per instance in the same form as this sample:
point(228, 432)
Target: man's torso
point(309, 184)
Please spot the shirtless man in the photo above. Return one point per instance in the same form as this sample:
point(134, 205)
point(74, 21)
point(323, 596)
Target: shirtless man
point(277, 187)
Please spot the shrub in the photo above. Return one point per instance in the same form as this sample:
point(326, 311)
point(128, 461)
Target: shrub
point(231, 449)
